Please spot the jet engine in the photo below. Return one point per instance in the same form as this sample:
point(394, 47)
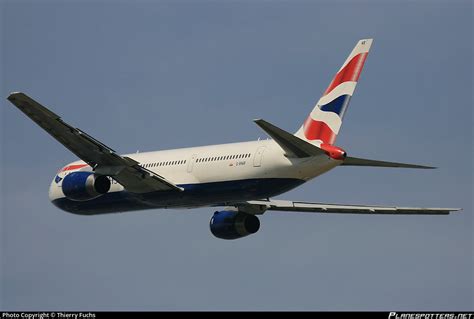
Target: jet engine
point(233, 224)
point(82, 186)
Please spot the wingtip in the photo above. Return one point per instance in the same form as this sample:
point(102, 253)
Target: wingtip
point(259, 122)
point(453, 210)
point(12, 95)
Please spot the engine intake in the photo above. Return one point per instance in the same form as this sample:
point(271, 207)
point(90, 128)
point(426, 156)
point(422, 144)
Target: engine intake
point(233, 225)
point(82, 186)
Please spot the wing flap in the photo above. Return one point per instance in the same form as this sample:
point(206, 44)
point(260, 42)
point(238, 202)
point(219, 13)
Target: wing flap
point(103, 159)
point(307, 207)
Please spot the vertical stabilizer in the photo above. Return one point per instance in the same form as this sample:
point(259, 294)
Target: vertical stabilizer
point(324, 122)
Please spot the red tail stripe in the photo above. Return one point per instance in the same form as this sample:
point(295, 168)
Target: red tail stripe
point(317, 130)
point(72, 167)
point(350, 72)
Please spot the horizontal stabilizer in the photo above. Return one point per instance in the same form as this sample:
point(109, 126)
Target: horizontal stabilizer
point(292, 145)
point(354, 161)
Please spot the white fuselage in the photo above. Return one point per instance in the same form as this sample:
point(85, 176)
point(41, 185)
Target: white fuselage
point(210, 175)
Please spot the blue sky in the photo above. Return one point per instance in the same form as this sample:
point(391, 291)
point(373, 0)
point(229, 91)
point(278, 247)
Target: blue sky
point(157, 75)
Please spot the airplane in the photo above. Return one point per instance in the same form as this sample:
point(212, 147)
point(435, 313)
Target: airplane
point(239, 177)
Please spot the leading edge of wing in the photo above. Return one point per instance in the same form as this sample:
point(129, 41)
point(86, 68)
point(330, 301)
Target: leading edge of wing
point(102, 158)
point(307, 207)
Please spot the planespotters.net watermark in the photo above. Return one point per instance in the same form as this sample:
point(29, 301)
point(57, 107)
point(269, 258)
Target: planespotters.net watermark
point(48, 315)
point(419, 315)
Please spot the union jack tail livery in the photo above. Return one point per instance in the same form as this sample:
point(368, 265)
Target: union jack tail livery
point(324, 122)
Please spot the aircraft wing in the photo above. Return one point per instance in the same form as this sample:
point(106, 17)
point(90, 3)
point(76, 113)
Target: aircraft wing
point(260, 206)
point(102, 158)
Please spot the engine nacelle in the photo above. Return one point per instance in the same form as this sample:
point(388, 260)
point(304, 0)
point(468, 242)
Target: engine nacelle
point(233, 225)
point(82, 186)
point(334, 152)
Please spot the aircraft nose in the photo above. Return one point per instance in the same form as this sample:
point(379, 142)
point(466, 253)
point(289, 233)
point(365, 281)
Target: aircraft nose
point(55, 190)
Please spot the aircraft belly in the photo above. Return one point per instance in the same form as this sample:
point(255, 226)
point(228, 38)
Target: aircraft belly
point(194, 195)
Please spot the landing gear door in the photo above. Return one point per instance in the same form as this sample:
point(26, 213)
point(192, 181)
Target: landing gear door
point(191, 163)
point(257, 160)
